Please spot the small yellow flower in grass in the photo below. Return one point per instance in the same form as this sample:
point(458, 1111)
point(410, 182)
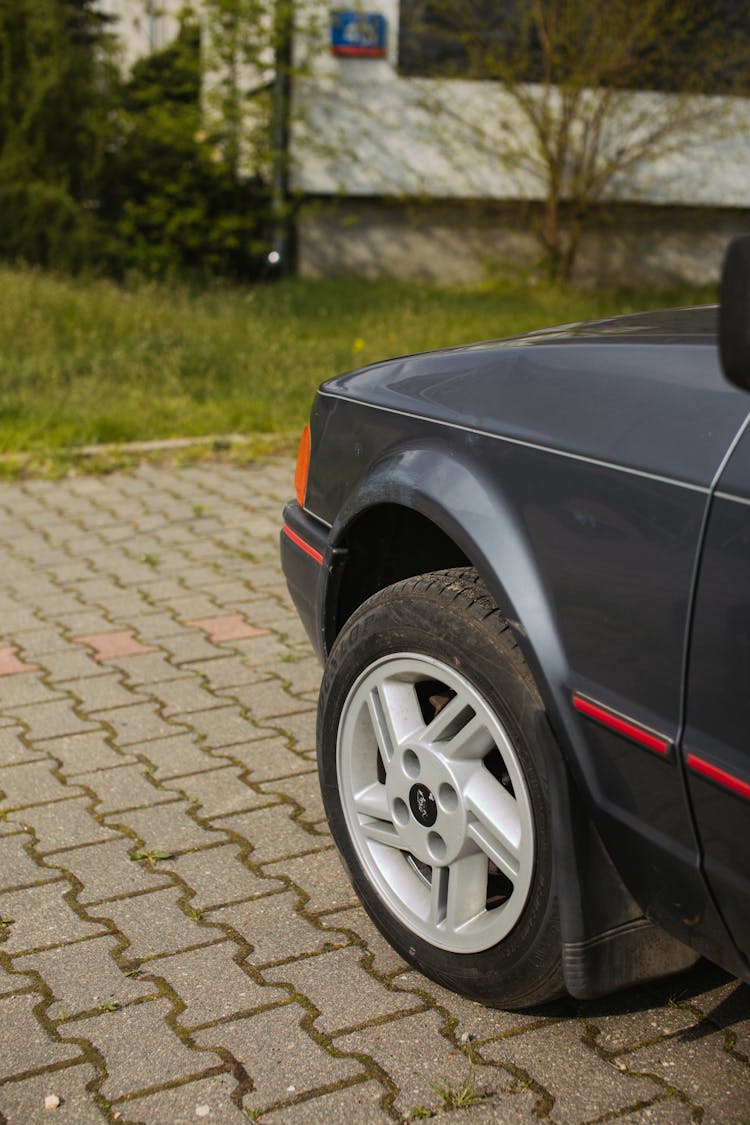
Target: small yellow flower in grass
point(358, 345)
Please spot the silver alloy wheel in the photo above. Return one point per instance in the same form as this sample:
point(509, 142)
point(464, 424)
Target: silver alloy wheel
point(435, 802)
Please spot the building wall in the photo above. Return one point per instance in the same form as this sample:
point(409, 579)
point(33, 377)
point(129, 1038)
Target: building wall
point(142, 26)
point(464, 242)
point(388, 147)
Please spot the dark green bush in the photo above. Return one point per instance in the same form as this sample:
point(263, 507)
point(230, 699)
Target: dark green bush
point(172, 202)
point(109, 173)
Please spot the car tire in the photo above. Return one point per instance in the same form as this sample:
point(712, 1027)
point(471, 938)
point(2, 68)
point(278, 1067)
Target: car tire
point(436, 791)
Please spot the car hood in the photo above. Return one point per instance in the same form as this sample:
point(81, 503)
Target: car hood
point(643, 391)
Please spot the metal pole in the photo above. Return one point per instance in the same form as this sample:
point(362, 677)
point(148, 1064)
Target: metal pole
point(280, 255)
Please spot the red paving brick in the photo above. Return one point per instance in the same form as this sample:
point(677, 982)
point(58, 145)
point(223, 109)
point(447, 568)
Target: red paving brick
point(232, 627)
point(11, 665)
point(108, 646)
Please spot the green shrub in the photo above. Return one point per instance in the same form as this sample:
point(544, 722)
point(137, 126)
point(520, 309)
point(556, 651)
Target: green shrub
point(56, 85)
point(173, 205)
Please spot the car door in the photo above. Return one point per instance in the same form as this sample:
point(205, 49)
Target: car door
point(716, 741)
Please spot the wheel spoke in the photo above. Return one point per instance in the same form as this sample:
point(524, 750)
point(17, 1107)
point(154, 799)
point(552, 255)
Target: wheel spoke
point(462, 734)
point(467, 889)
point(495, 825)
point(384, 735)
point(380, 832)
point(373, 801)
point(438, 895)
point(394, 714)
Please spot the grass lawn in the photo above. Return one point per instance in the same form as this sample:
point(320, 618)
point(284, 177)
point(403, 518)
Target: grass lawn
point(90, 362)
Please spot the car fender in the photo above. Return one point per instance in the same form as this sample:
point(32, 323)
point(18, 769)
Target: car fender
point(607, 943)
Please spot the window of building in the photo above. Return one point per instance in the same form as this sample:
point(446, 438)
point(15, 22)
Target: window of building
point(705, 48)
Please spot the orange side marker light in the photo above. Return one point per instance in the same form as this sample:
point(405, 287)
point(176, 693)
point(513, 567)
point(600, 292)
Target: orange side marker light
point(303, 465)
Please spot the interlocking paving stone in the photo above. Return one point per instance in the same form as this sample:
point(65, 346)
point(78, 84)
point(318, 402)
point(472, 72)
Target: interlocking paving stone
point(153, 668)
point(686, 1060)
point(220, 791)
point(321, 876)
point(278, 1053)
point(137, 723)
point(20, 690)
point(385, 959)
point(124, 786)
point(556, 1058)
point(261, 651)
point(13, 982)
point(96, 756)
point(302, 674)
point(359, 1104)
point(65, 665)
point(24, 1044)
point(268, 758)
point(13, 749)
point(17, 867)
point(107, 871)
point(474, 1021)
point(98, 693)
point(187, 646)
point(272, 832)
point(31, 783)
point(169, 827)
point(269, 699)
point(63, 825)
point(228, 672)
point(141, 1049)
point(178, 756)
point(217, 876)
point(304, 790)
point(189, 1103)
point(156, 626)
point(182, 696)
point(300, 728)
point(80, 753)
point(42, 917)
point(232, 991)
point(83, 976)
point(418, 1057)
point(50, 720)
point(230, 627)
point(345, 993)
point(274, 929)
point(43, 645)
point(16, 620)
point(670, 1110)
point(225, 727)
point(22, 1103)
point(155, 925)
point(180, 602)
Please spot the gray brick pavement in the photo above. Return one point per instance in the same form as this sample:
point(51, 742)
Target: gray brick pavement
point(178, 941)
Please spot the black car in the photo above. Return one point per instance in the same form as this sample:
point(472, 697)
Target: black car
point(526, 565)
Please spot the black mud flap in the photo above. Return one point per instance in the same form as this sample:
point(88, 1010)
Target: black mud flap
point(607, 942)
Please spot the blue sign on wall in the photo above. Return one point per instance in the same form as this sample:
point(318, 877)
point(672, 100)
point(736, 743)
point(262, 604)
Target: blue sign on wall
point(358, 33)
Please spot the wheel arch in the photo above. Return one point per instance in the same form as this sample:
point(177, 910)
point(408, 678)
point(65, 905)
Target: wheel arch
point(428, 509)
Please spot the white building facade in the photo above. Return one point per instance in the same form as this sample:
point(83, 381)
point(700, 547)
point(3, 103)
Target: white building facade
point(409, 178)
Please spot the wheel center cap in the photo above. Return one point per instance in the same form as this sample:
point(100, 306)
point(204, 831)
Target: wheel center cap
point(423, 805)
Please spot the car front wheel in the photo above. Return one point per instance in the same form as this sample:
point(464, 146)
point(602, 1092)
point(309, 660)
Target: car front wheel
point(435, 788)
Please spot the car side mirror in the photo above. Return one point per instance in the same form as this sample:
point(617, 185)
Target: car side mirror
point(734, 313)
